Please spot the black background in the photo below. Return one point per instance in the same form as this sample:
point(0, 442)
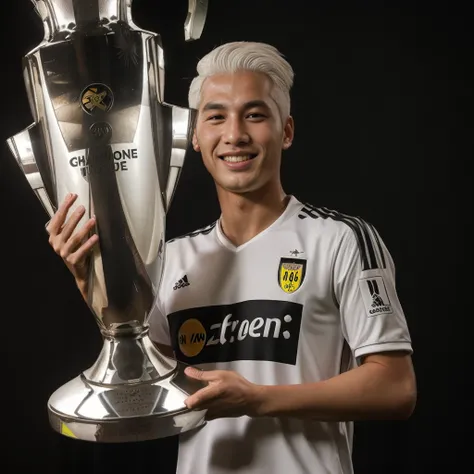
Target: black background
point(383, 109)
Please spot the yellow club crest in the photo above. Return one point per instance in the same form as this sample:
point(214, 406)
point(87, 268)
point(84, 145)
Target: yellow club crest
point(291, 273)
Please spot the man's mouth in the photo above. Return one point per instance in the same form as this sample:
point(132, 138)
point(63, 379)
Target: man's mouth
point(237, 158)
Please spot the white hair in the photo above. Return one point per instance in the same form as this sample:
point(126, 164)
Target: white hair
point(246, 56)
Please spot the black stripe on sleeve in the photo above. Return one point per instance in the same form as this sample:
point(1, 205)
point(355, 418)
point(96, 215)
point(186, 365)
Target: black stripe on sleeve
point(367, 238)
point(379, 245)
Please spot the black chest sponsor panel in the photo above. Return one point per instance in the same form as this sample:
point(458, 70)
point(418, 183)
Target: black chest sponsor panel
point(250, 330)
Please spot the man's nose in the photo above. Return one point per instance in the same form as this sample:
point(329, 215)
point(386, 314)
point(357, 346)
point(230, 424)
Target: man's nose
point(235, 132)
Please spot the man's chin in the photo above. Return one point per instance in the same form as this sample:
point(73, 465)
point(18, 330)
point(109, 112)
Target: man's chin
point(240, 188)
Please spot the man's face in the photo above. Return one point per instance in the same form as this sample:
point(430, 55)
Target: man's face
point(239, 131)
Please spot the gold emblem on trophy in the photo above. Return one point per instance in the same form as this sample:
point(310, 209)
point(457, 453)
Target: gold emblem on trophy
point(97, 96)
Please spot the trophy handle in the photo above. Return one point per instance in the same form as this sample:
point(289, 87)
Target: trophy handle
point(195, 20)
point(183, 124)
point(25, 146)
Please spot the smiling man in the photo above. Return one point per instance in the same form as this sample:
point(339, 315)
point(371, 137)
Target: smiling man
point(288, 310)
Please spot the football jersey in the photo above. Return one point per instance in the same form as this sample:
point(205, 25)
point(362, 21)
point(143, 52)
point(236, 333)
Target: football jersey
point(300, 302)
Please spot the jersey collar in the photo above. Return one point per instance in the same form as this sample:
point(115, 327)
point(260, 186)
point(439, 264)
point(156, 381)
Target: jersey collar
point(292, 206)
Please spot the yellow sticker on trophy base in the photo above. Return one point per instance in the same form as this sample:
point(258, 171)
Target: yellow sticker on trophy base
point(66, 431)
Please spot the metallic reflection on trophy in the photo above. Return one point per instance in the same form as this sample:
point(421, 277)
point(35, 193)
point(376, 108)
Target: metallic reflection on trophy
point(102, 130)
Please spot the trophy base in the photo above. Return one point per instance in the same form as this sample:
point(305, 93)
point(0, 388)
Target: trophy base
point(94, 407)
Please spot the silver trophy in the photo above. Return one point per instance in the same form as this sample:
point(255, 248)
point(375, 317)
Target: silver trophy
point(102, 130)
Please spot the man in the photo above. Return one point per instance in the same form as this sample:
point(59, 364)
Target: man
point(288, 311)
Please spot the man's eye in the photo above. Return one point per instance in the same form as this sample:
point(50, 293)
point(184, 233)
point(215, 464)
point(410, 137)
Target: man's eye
point(215, 117)
point(256, 115)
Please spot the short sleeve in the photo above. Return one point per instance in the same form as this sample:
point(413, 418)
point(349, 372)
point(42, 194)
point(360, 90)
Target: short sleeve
point(372, 317)
point(159, 329)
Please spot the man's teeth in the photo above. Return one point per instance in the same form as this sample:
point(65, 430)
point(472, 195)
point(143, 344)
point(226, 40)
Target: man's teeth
point(237, 159)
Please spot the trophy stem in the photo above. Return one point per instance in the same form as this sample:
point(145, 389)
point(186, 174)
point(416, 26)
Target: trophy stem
point(131, 393)
point(128, 358)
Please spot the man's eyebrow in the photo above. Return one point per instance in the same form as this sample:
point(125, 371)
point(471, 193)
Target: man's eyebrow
point(213, 106)
point(248, 105)
point(256, 103)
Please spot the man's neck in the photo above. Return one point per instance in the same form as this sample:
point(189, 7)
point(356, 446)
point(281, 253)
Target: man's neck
point(246, 215)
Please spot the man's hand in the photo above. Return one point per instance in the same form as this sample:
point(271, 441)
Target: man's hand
point(72, 245)
point(227, 395)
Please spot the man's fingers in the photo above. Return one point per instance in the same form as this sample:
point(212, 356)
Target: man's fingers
point(79, 257)
point(57, 221)
point(207, 394)
point(202, 397)
point(79, 239)
point(71, 224)
point(205, 375)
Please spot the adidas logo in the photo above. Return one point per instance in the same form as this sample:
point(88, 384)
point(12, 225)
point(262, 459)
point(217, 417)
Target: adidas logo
point(181, 283)
point(375, 296)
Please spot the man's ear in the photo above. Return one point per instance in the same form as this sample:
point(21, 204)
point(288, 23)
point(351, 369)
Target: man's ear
point(288, 133)
point(195, 142)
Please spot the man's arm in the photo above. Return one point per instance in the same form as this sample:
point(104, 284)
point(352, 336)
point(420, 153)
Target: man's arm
point(382, 387)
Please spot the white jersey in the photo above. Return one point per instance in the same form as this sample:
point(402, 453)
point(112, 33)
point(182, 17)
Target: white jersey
point(300, 302)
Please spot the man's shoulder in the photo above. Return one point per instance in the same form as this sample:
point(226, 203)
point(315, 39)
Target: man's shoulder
point(190, 237)
point(322, 219)
point(337, 226)
point(331, 216)
point(352, 230)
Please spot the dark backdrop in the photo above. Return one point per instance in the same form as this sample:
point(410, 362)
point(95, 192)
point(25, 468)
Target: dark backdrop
point(383, 105)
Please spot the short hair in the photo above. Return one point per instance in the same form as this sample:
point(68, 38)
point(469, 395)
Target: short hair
point(246, 56)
